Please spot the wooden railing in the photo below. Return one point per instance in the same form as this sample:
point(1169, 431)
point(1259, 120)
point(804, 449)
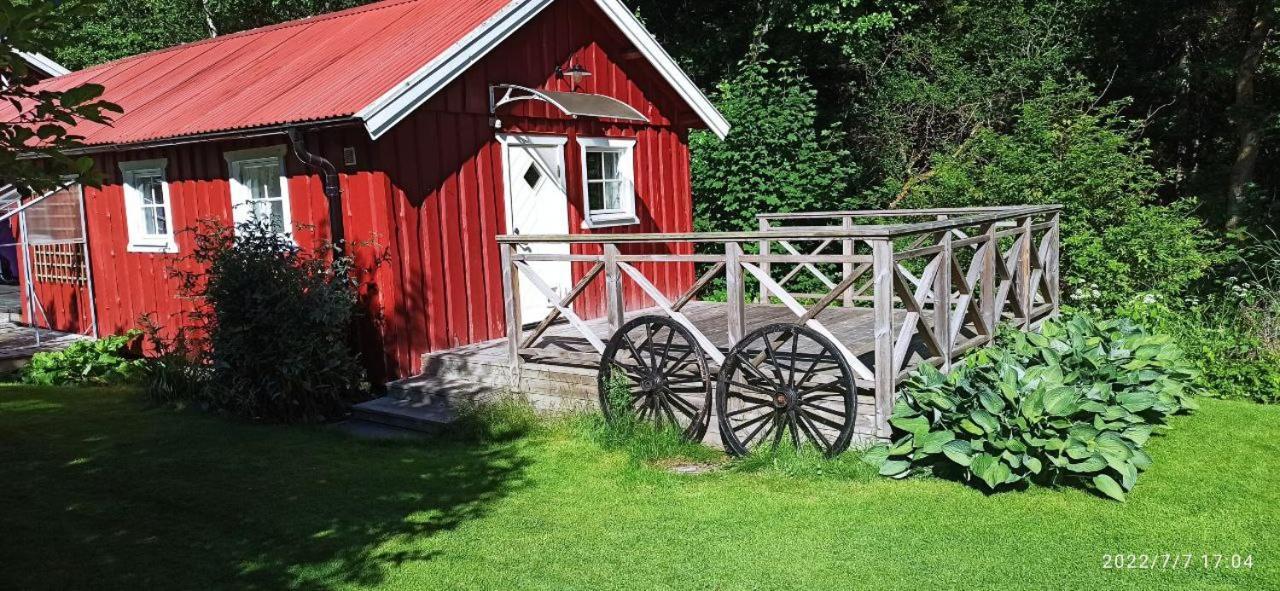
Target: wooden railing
point(936, 282)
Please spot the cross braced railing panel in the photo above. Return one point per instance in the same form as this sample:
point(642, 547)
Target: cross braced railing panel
point(927, 284)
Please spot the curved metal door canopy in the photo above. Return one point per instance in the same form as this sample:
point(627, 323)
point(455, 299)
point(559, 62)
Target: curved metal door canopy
point(573, 104)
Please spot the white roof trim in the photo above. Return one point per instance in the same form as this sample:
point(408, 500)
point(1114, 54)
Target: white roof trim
point(396, 104)
point(43, 63)
point(403, 98)
point(666, 66)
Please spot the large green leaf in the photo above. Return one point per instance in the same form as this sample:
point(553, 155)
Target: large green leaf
point(895, 468)
point(985, 420)
point(932, 443)
point(915, 425)
point(1113, 447)
point(1107, 485)
point(958, 451)
point(1136, 401)
point(1091, 464)
point(990, 470)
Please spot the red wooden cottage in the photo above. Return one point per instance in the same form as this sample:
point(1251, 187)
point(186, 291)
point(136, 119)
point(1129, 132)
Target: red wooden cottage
point(437, 125)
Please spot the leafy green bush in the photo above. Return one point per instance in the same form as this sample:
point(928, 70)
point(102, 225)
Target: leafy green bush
point(277, 321)
point(102, 362)
point(1225, 337)
point(775, 159)
point(1072, 405)
point(1117, 242)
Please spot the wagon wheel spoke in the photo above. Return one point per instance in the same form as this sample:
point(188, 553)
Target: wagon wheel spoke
point(635, 354)
point(666, 349)
point(793, 429)
point(747, 409)
point(760, 422)
point(749, 398)
point(754, 388)
point(823, 420)
point(809, 372)
point(773, 362)
point(666, 408)
point(747, 365)
point(777, 433)
point(683, 359)
point(814, 433)
point(791, 376)
point(679, 403)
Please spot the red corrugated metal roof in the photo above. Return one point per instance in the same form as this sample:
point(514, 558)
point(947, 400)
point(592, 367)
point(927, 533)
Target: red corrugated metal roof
point(324, 67)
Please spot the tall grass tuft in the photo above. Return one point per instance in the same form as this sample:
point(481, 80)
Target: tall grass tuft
point(641, 440)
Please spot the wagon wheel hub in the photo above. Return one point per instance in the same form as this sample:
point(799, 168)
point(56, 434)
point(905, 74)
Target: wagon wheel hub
point(786, 399)
point(653, 382)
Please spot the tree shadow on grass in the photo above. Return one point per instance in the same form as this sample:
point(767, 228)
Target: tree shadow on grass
point(128, 499)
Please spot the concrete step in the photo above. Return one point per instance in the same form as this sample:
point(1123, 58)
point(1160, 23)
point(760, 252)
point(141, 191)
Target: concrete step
point(416, 415)
point(452, 392)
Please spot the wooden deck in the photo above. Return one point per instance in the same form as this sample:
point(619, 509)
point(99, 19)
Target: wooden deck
point(896, 289)
point(565, 376)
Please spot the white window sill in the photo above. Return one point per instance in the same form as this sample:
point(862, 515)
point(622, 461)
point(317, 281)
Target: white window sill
point(153, 247)
point(609, 222)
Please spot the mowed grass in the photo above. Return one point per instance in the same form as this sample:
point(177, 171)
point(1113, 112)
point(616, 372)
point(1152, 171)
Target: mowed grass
point(97, 492)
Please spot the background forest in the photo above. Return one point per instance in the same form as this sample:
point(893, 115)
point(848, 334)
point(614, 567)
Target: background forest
point(1154, 123)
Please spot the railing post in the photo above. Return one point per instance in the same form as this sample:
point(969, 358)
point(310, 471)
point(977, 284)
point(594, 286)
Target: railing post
point(990, 315)
point(1051, 265)
point(736, 293)
point(847, 248)
point(613, 288)
point(511, 310)
point(885, 373)
point(765, 265)
point(942, 301)
point(1024, 272)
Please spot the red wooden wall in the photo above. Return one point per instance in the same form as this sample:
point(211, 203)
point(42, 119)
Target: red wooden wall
point(425, 202)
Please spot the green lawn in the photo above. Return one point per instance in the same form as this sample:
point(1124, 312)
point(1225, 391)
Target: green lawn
point(96, 492)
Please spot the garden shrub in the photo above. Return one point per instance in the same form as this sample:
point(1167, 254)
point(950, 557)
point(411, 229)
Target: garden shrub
point(778, 158)
point(176, 371)
point(102, 362)
point(1117, 241)
point(1072, 405)
point(1225, 337)
point(277, 320)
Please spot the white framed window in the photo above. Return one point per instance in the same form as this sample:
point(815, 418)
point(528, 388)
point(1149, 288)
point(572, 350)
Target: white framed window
point(259, 187)
point(608, 182)
point(147, 208)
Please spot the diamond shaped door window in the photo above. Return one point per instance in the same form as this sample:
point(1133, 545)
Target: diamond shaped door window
point(532, 176)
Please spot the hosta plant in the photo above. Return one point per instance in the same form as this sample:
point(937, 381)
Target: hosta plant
point(1074, 404)
point(101, 362)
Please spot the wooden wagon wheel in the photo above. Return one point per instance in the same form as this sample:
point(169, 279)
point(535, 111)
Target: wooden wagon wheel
point(785, 382)
point(654, 369)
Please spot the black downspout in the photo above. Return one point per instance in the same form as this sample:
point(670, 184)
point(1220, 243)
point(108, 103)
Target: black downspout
point(332, 189)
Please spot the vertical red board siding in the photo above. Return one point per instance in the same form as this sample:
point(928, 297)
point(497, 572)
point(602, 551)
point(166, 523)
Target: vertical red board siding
point(424, 203)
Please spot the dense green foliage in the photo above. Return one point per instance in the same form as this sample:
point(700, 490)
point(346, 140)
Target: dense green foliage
point(35, 142)
point(1232, 342)
point(161, 500)
point(277, 320)
point(1072, 405)
point(102, 362)
point(775, 159)
point(1154, 123)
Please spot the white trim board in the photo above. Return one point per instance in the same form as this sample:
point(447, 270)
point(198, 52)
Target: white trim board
point(43, 63)
point(394, 105)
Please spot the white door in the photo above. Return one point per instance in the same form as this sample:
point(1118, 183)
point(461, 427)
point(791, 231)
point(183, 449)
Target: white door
point(537, 203)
